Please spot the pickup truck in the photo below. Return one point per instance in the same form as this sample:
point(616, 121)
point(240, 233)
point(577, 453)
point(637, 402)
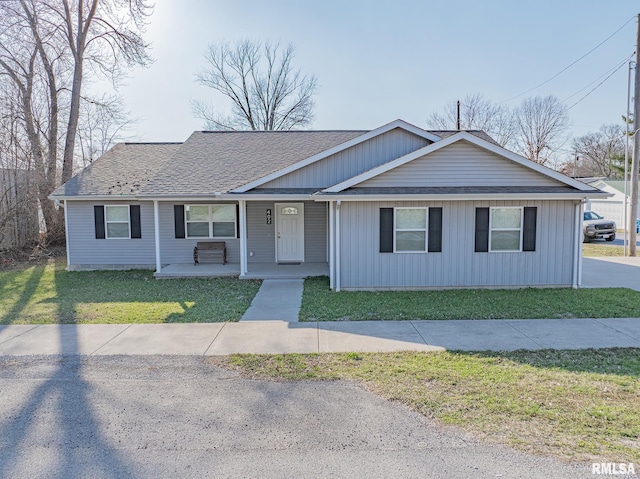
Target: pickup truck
point(595, 226)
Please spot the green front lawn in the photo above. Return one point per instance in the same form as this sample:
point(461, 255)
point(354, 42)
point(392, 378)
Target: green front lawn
point(49, 294)
point(321, 304)
point(581, 405)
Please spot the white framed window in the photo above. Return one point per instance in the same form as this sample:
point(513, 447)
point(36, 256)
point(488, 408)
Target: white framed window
point(117, 222)
point(505, 229)
point(410, 230)
point(210, 221)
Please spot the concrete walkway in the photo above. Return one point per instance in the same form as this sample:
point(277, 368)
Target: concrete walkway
point(313, 337)
point(276, 300)
point(611, 272)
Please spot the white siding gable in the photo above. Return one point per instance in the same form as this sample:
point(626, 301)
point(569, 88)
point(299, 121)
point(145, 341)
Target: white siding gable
point(460, 164)
point(352, 161)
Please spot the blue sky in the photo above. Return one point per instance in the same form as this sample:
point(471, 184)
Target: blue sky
point(378, 61)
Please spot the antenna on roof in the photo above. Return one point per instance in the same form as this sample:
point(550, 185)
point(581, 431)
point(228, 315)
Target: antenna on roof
point(458, 117)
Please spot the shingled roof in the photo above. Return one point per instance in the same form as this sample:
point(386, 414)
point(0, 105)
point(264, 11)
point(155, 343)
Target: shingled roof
point(218, 161)
point(122, 171)
point(206, 163)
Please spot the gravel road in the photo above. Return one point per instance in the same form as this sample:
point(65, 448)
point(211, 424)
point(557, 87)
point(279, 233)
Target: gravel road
point(177, 417)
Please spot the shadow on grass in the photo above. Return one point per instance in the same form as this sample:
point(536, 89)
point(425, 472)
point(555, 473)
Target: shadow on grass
point(122, 297)
point(80, 448)
point(30, 288)
point(615, 361)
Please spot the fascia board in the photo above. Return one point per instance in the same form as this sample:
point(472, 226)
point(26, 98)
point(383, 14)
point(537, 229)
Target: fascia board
point(453, 197)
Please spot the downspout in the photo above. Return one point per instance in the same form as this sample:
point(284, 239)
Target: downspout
point(577, 250)
point(243, 237)
point(63, 204)
point(156, 232)
point(337, 247)
point(331, 245)
point(580, 216)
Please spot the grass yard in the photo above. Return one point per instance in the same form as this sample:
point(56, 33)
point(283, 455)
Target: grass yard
point(599, 249)
point(49, 294)
point(321, 304)
point(578, 405)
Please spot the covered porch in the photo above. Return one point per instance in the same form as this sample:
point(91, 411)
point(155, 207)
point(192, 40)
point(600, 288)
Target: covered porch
point(255, 270)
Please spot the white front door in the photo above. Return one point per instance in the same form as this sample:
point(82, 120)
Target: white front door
point(289, 232)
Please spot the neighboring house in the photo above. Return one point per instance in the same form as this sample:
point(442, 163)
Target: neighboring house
point(397, 207)
point(612, 207)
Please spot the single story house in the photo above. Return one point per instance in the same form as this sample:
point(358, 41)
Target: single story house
point(611, 207)
point(397, 207)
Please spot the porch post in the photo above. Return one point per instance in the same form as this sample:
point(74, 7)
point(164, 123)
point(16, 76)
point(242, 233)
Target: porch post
point(337, 247)
point(66, 230)
point(156, 226)
point(243, 237)
point(331, 244)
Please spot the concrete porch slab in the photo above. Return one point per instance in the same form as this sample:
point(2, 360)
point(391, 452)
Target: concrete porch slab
point(178, 339)
point(267, 337)
point(471, 335)
point(376, 336)
point(64, 339)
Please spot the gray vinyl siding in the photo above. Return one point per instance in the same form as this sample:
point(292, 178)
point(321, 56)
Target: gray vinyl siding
point(460, 164)
point(364, 267)
point(87, 252)
point(261, 236)
point(180, 250)
point(352, 161)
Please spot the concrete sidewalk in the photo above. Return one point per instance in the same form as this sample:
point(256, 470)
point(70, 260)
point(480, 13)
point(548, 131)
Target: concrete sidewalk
point(312, 337)
point(276, 300)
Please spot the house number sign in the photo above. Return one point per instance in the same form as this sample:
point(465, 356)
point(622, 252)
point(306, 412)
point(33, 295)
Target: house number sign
point(268, 216)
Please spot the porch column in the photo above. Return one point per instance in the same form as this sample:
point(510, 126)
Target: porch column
point(156, 227)
point(337, 247)
point(580, 216)
point(331, 244)
point(243, 237)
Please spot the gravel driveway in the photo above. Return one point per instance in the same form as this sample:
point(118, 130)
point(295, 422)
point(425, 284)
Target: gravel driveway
point(157, 417)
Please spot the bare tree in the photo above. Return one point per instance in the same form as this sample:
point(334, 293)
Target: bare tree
point(47, 50)
point(601, 152)
point(540, 126)
point(265, 90)
point(103, 122)
point(477, 113)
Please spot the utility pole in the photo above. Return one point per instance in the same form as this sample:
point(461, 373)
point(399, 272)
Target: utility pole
point(458, 117)
point(636, 151)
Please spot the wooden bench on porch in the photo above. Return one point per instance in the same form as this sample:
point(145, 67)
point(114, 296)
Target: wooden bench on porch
point(210, 252)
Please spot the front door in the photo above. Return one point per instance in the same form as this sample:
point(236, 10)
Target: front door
point(289, 232)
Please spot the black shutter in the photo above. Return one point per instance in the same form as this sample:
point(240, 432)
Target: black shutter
point(178, 216)
point(237, 221)
point(482, 230)
point(386, 230)
point(435, 230)
point(134, 216)
point(529, 233)
point(98, 216)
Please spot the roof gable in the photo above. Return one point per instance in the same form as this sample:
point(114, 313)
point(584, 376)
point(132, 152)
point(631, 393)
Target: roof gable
point(210, 162)
point(518, 166)
point(337, 149)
